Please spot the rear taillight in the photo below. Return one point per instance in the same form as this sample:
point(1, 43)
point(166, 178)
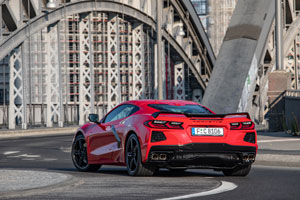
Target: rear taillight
point(175, 125)
point(163, 124)
point(248, 125)
point(242, 126)
point(235, 126)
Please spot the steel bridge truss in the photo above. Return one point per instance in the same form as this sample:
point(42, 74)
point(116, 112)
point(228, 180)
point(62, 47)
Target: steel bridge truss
point(291, 35)
point(88, 56)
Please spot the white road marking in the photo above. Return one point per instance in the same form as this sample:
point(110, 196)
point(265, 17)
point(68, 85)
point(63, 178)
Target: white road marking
point(279, 140)
point(224, 187)
point(65, 149)
point(25, 155)
point(10, 152)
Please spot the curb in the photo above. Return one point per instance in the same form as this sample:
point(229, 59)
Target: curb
point(38, 132)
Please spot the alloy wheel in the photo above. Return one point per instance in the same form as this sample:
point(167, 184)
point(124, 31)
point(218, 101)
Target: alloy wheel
point(132, 154)
point(79, 153)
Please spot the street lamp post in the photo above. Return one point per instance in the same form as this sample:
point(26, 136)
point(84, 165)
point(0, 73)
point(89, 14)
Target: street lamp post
point(159, 49)
point(51, 4)
point(278, 33)
point(1, 24)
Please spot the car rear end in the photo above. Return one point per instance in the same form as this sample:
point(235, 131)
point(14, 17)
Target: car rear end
point(201, 140)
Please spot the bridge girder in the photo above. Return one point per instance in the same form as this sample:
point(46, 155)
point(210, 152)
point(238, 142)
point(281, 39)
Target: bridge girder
point(29, 23)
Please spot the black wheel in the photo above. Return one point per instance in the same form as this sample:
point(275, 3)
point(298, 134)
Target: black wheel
point(79, 155)
point(242, 170)
point(135, 167)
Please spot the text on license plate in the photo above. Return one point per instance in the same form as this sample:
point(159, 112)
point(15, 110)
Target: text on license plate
point(207, 131)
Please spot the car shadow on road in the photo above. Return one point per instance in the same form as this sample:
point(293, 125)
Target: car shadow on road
point(163, 172)
point(122, 171)
point(198, 173)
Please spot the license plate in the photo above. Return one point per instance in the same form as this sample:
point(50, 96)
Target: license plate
point(207, 132)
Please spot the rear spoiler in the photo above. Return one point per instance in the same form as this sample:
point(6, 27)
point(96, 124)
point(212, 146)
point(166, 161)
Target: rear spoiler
point(156, 114)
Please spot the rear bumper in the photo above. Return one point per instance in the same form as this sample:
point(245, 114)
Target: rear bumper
point(201, 155)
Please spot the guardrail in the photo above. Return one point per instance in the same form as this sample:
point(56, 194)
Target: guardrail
point(292, 93)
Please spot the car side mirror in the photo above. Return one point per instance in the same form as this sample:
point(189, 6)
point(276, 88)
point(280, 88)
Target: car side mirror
point(94, 118)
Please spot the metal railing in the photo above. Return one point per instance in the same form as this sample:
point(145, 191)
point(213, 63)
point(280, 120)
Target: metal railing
point(292, 93)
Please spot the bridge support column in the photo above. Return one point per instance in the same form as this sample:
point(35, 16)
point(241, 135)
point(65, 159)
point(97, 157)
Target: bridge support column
point(114, 89)
point(138, 62)
point(86, 79)
point(53, 75)
point(17, 100)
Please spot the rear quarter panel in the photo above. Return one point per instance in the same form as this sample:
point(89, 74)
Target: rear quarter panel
point(136, 124)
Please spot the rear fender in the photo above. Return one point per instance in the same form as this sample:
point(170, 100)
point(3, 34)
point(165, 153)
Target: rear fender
point(136, 125)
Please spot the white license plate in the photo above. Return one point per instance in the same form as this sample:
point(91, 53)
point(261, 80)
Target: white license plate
point(207, 131)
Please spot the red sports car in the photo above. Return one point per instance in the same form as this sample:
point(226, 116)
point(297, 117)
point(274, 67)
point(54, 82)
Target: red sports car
point(147, 135)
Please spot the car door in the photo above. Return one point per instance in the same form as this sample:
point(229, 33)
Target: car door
point(101, 138)
point(118, 129)
point(105, 143)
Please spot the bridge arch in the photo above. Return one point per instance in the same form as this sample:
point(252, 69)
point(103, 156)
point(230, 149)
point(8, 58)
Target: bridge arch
point(109, 57)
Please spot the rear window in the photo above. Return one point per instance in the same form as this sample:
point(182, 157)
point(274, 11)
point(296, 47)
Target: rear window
point(189, 108)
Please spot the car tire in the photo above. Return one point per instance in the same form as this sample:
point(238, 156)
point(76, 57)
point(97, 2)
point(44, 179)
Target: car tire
point(134, 164)
point(242, 170)
point(79, 156)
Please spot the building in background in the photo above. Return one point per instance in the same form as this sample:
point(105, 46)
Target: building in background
point(215, 17)
point(202, 11)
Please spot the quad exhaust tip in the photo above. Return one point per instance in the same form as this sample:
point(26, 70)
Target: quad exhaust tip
point(161, 156)
point(246, 158)
point(249, 158)
point(154, 156)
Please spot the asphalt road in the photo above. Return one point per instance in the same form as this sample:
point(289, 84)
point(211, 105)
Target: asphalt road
point(52, 154)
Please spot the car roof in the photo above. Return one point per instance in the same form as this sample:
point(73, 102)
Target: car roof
point(145, 103)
